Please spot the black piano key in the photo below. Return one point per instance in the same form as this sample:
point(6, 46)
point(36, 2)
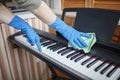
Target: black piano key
point(118, 78)
point(72, 54)
point(106, 68)
point(62, 50)
point(51, 46)
point(92, 63)
point(43, 39)
point(100, 66)
point(25, 35)
point(86, 61)
point(47, 43)
point(54, 47)
point(65, 52)
point(57, 48)
point(44, 42)
point(79, 58)
point(112, 71)
point(76, 55)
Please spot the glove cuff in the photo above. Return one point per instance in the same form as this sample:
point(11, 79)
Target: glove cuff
point(18, 23)
point(58, 25)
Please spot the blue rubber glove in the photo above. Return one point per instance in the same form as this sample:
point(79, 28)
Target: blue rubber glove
point(72, 35)
point(32, 36)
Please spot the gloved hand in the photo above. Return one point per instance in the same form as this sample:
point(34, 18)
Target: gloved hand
point(72, 35)
point(32, 36)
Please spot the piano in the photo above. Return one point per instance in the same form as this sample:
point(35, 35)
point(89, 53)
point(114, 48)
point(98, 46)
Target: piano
point(101, 63)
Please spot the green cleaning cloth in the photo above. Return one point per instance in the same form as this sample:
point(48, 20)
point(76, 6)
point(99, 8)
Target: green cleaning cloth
point(89, 41)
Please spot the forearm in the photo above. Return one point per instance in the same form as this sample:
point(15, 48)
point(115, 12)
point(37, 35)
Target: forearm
point(44, 13)
point(5, 15)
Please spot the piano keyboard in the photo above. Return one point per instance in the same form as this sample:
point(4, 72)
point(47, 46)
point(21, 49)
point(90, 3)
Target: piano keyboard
point(86, 66)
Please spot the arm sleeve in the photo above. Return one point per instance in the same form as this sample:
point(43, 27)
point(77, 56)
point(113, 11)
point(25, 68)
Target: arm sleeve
point(29, 4)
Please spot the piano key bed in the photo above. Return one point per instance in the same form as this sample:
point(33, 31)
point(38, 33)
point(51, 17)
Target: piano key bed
point(99, 64)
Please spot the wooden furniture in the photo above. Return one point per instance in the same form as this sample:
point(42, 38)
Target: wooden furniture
point(107, 4)
point(72, 3)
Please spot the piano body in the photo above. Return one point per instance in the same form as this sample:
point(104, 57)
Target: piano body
point(101, 63)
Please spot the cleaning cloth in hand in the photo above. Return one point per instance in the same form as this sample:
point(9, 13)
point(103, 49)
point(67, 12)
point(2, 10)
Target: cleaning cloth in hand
point(89, 41)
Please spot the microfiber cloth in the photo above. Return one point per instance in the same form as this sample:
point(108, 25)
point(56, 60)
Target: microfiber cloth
point(89, 41)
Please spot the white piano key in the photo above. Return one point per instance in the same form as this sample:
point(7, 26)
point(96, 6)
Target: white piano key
point(71, 64)
point(99, 75)
point(24, 41)
point(45, 41)
point(115, 75)
point(88, 71)
point(51, 53)
point(45, 48)
point(55, 55)
point(91, 73)
point(74, 66)
point(103, 76)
